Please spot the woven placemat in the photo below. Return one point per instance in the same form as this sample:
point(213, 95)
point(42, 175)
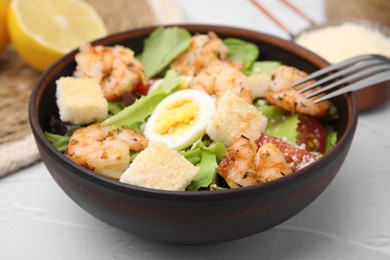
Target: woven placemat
point(17, 146)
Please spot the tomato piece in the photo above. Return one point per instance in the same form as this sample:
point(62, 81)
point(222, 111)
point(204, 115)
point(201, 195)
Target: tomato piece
point(311, 133)
point(295, 156)
point(142, 88)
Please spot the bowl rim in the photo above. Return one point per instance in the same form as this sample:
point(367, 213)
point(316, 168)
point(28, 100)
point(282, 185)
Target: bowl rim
point(104, 183)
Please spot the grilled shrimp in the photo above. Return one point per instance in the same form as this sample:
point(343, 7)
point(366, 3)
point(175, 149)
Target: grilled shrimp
point(284, 76)
point(114, 68)
point(243, 166)
point(271, 163)
point(104, 150)
point(292, 100)
point(283, 95)
point(238, 165)
point(203, 50)
point(218, 77)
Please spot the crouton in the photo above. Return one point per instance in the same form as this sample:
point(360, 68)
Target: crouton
point(80, 101)
point(160, 167)
point(235, 117)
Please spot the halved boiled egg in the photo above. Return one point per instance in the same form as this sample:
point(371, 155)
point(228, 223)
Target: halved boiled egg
point(180, 119)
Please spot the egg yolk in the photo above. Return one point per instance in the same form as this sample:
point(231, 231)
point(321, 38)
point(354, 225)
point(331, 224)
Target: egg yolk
point(176, 117)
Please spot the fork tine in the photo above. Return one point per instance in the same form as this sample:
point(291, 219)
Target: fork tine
point(372, 80)
point(345, 72)
point(351, 78)
point(336, 66)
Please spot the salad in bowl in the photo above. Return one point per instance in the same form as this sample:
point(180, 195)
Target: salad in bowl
point(188, 113)
point(151, 133)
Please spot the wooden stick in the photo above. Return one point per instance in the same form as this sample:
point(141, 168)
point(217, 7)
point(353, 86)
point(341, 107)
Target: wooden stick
point(273, 18)
point(298, 11)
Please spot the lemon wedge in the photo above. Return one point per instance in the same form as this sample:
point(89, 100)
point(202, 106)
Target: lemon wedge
point(4, 39)
point(44, 30)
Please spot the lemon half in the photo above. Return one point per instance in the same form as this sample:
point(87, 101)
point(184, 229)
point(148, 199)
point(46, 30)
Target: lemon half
point(3, 24)
point(44, 30)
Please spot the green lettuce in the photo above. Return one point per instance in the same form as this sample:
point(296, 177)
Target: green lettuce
point(60, 142)
point(242, 51)
point(286, 129)
point(275, 115)
point(114, 108)
point(134, 115)
point(281, 123)
point(206, 156)
point(162, 47)
point(264, 68)
point(331, 139)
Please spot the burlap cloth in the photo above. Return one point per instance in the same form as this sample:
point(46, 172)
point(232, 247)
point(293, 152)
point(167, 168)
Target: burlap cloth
point(17, 146)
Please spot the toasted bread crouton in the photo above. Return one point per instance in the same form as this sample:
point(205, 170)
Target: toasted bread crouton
point(160, 167)
point(235, 117)
point(80, 101)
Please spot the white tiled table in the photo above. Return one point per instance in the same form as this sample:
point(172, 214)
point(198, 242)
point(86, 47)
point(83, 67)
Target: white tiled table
point(350, 220)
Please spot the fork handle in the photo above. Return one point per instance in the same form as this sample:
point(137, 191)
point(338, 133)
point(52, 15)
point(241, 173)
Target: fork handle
point(367, 82)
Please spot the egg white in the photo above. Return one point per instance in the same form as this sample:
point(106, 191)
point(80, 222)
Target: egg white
point(182, 139)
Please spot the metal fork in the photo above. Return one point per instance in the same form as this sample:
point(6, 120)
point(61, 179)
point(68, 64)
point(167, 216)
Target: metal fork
point(350, 75)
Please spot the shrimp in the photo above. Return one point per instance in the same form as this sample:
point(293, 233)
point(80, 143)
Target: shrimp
point(292, 100)
point(283, 95)
point(114, 68)
point(271, 163)
point(203, 50)
point(103, 149)
point(243, 166)
point(218, 77)
point(238, 165)
point(284, 76)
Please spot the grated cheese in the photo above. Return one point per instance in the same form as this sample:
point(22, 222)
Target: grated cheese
point(306, 160)
point(337, 43)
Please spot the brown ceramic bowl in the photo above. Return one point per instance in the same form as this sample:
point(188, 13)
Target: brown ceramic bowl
point(192, 217)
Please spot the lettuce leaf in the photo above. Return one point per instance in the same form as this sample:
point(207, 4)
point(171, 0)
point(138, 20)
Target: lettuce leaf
point(242, 51)
point(275, 115)
point(286, 129)
point(162, 47)
point(207, 171)
point(60, 142)
point(281, 123)
point(206, 156)
point(264, 68)
point(133, 116)
point(114, 108)
point(331, 139)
